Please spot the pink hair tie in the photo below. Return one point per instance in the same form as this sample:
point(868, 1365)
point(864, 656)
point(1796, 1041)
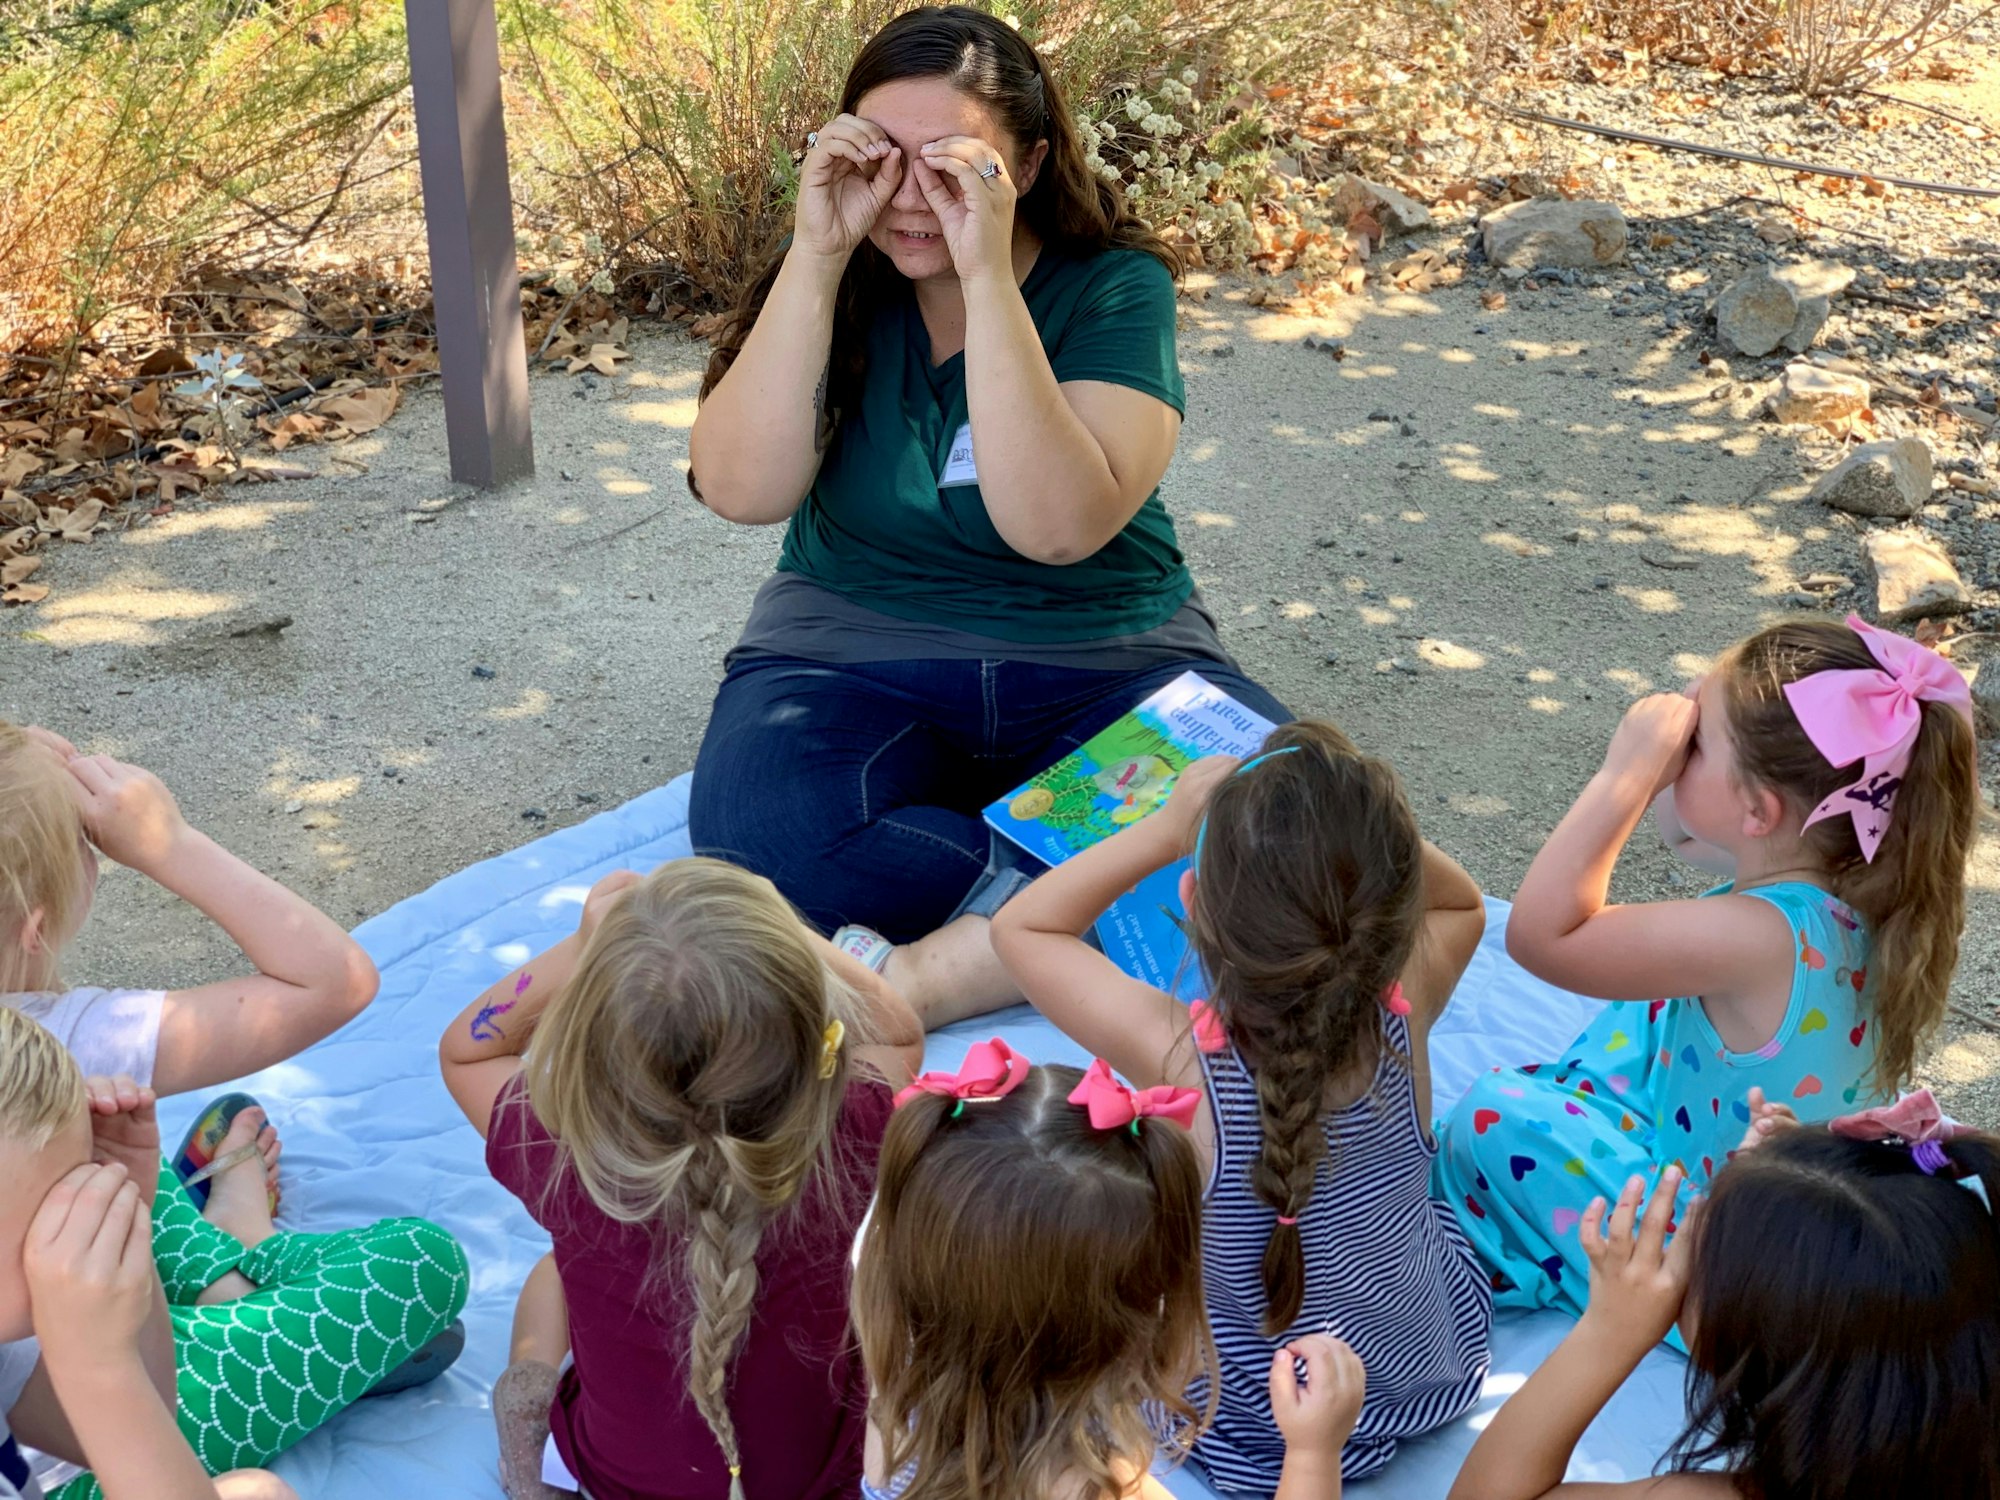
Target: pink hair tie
point(991, 1070)
point(1397, 1002)
point(1288, 1221)
point(1872, 714)
point(1113, 1106)
point(1208, 1033)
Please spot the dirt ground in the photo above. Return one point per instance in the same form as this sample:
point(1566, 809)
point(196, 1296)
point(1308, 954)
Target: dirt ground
point(1473, 541)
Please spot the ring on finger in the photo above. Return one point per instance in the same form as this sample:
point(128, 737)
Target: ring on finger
point(812, 139)
point(990, 170)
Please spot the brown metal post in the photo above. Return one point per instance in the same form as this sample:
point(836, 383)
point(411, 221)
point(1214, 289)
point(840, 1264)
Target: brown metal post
point(469, 220)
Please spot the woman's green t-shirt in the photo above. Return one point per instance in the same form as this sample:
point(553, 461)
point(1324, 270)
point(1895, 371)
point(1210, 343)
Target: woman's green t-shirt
point(895, 520)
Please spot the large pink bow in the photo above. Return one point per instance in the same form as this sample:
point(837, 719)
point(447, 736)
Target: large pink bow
point(1913, 1119)
point(1872, 714)
point(991, 1070)
point(1112, 1104)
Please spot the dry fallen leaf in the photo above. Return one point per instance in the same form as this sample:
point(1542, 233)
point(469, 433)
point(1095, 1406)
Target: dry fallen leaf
point(359, 411)
point(80, 522)
point(25, 593)
point(16, 569)
point(603, 358)
point(1493, 301)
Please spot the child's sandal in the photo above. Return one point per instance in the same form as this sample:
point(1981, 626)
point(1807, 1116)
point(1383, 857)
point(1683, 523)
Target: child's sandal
point(196, 1162)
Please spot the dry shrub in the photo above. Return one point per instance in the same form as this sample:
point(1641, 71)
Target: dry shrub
point(668, 133)
point(136, 139)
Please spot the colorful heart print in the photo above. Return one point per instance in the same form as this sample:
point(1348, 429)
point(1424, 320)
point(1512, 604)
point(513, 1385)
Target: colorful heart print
point(1472, 1203)
point(1691, 1057)
point(1860, 1031)
point(1618, 1042)
point(1563, 1220)
point(1484, 1120)
point(1601, 1151)
point(1814, 1020)
point(1682, 1119)
point(1575, 1167)
point(1807, 1087)
point(1810, 956)
point(1520, 1166)
point(1619, 1083)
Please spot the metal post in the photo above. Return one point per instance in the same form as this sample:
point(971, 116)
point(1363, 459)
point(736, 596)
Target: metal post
point(469, 221)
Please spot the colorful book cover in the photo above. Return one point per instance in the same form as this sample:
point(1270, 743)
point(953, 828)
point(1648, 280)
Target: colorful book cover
point(1144, 933)
point(1125, 771)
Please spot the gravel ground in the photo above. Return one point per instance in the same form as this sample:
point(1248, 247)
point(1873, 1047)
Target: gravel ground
point(1472, 539)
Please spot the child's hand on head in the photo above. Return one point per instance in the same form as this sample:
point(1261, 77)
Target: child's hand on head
point(1319, 1414)
point(1766, 1120)
point(1653, 738)
point(124, 1129)
point(127, 811)
point(1188, 801)
point(609, 890)
point(1637, 1280)
point(89, 1266)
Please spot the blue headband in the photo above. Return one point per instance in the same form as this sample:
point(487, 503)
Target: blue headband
point(1201, 834)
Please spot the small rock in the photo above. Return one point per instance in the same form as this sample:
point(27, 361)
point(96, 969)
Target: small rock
point(1673, 562)
point(1223, 351)
point(1718, 369)
point(1825, 581)
point(294, 807)
point(1887, 478)
point(391, 772)
point(533, 814)
point(1601, 581)
point(1573, 536)
point(1800, 599)
point(1331, 659)
point(1398, 213)
point(1537, 232)
point(484, 674)
point(1914, 577)
point(1816, 278)
point(587, 798)
point(276, 625)
point(1684, 497)
point(1407, 430)
point(1806, 393)
point(1756, 314)
point(568, 477)
point(1378, 415)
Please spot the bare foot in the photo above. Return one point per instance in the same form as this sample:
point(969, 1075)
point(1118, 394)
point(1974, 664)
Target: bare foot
point(239, 1199)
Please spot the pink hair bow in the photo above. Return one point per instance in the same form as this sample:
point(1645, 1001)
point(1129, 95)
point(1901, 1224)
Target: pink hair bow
point(1112, 1104)
point(991, 1070)
point(1914, 1119)
point(1872, 714)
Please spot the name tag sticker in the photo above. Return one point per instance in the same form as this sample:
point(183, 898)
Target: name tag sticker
point(958, 467)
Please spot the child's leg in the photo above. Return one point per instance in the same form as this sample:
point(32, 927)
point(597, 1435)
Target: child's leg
point(331, 1315)
point(523, 1393)
point(1520, 1159)
point(197, 1261)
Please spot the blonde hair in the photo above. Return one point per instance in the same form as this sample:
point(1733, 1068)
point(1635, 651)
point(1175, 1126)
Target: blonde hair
point(1913, 892)
point(1028, 1285)
point(683, 1071)
point(41, 860)
point(41, 1087)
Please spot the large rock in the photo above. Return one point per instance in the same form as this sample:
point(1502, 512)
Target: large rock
point(1779, 306)
point(1806, 393)
point(1914, 577)
point(1889, 478)
point(1585, 233)
point(1398, 213)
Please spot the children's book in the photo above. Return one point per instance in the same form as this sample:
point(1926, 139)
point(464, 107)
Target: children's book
point(1111, 781)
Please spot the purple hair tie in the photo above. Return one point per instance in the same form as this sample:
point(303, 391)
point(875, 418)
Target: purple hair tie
point(1930, 1158)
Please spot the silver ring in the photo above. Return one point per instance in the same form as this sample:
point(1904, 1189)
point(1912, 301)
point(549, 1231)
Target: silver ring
point(990, 170)
point(812, 139)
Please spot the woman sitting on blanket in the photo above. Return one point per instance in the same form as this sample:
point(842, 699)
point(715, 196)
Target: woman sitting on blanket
point(696, 1125)
point(957, 386)
point(239, 1288)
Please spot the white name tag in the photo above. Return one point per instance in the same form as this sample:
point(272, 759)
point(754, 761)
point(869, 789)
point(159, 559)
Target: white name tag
point(958, 467)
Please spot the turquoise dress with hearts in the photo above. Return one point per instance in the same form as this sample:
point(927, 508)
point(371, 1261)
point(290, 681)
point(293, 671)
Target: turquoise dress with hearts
point(1648, 1085)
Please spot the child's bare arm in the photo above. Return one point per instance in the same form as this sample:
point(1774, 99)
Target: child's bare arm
point(311, 978)
point(1454, 922)
point(895, 1048)
point(480, 1051)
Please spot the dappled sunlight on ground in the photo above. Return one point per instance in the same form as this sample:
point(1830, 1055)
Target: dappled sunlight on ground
point(239, 515)
point(124, 613)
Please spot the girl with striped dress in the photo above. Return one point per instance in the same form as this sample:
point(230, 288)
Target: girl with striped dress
point(1332, 935)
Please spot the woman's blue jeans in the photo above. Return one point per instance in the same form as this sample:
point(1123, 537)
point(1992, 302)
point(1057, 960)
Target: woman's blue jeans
point(857, 788)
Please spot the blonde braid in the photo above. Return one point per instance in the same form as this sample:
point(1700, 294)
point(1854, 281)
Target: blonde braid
point(724, 1227)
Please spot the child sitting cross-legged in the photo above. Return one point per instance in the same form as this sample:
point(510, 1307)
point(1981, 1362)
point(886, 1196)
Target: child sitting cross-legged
point(86, 1350)
point(1331, 935)
point(688, 1094)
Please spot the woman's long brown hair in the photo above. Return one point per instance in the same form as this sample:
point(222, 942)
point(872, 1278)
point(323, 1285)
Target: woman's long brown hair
point(1069, 208)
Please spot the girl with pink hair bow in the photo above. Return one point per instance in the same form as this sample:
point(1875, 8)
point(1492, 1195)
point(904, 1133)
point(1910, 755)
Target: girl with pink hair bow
point(1827, 772)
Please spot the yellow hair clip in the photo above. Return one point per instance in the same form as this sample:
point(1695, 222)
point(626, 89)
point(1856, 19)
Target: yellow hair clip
point(830, 1040)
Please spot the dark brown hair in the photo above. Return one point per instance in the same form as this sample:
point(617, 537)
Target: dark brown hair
point(1309, 900)
point(1026, 1282)
point(1913, 893)
point(1846, 1313)
point(1068, 207)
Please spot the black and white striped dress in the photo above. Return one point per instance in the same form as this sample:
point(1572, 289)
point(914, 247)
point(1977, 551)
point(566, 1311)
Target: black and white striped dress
point(1386, 1269)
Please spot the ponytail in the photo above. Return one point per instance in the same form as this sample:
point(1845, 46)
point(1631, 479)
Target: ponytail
point(1913, 892)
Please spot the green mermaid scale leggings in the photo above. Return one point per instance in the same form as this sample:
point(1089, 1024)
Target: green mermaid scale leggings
point(332, 1315)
